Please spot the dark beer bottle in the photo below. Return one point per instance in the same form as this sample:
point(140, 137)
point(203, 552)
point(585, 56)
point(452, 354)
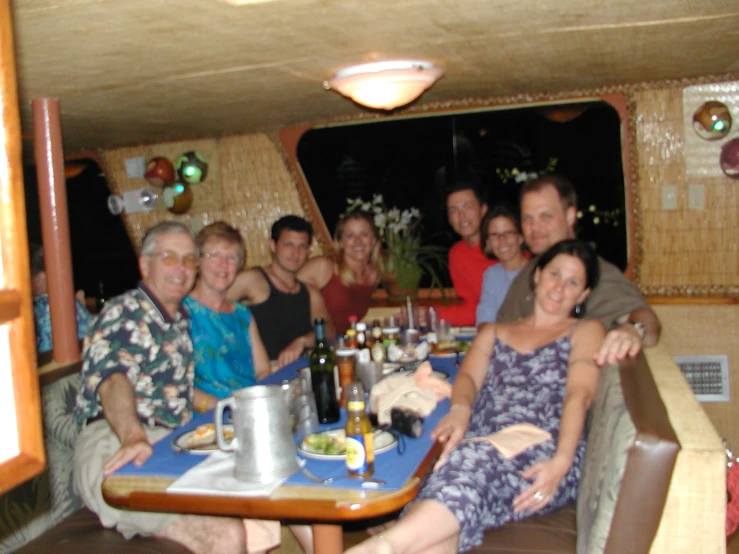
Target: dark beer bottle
point(322, 363)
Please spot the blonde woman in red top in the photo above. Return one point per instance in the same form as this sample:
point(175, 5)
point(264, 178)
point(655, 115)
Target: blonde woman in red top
point(348, 278)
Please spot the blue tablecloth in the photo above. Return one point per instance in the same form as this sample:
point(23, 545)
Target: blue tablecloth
point(392, 467)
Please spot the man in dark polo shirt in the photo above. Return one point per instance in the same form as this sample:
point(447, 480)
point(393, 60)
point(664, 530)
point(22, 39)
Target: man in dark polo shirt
point(283, 306)
point(548, 215)
point(137, 386)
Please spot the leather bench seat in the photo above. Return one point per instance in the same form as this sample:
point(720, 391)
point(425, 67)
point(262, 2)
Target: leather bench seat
point(552, 533)
point(81, 533)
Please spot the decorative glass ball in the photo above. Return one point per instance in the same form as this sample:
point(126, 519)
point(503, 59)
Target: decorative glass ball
point(729, 158)
point(177, 198)
point(192, 167)
point(159, 171)
point(712, 120)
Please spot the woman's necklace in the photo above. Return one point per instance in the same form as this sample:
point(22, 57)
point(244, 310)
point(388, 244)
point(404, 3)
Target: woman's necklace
point(286, 286)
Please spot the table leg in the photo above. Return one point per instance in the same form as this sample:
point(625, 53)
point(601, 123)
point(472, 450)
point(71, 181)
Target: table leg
point(328, 539)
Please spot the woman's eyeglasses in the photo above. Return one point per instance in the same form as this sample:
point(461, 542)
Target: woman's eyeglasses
point(190, 261)
point(505, 235)
point(218, 257)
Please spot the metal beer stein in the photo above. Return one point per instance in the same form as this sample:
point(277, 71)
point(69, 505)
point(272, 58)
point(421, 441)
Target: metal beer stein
point(263, 440)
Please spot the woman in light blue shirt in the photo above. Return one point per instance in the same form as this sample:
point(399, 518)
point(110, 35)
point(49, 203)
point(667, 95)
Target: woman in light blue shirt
point(502, 239)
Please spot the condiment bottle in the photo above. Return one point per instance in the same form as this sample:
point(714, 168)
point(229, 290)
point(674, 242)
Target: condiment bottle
point(351, 333)
point(360, 456)
point(322, 363)
point(346, 362)
point(377, 350)
point(363, 351)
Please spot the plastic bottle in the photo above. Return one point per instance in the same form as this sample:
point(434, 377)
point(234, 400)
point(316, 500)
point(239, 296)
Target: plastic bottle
point(360, 457)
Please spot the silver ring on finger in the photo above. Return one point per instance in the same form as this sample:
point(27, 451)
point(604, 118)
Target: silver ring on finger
point(538, 496)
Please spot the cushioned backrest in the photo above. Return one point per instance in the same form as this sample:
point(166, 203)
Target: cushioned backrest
point(41, 503)
point(629, 461)
point(610, 436)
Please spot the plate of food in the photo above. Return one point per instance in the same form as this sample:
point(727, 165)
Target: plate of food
point(329, 445)
point(201, 440)
point(450, 348)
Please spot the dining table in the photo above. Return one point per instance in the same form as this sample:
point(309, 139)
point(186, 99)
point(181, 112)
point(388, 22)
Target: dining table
point(298, 499)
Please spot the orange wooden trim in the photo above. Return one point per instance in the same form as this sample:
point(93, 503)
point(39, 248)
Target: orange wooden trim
point(16, 275)
point(693, 300)
point(290, 137)
point(10, 305)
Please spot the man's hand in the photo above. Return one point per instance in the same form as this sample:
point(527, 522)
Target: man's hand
point(291, 352)
point(620, 342)
point(136, 449)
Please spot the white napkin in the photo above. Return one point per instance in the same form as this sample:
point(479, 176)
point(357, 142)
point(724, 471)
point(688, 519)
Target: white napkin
point(216, 475)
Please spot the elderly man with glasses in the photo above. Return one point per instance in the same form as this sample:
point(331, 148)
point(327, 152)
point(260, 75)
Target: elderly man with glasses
point(137, 386)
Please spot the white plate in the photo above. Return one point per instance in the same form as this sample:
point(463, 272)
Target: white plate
point(390, 367)
point(181, 443)
point(383, 441)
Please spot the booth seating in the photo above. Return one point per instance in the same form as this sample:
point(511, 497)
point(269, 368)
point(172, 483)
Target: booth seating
point(654, 481)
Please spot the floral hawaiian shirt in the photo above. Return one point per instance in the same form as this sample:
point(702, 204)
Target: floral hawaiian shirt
point(42, 321)
point(136, 336)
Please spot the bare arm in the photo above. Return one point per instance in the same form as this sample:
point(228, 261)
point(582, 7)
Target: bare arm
point(258, 352)
point(317, 271)
point(119, 406)
point(242, 287)
point(467, 384)
point(296, 347)
point(582, 381)
point(202, 401)
point(626, 340)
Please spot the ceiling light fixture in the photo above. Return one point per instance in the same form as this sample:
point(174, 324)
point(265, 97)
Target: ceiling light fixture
point(385, 85)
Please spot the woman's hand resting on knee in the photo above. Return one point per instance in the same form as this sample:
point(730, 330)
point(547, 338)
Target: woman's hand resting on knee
point(547, 474)
point(452, 428)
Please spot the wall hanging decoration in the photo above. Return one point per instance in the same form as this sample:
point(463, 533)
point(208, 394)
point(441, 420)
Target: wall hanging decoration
point(729, 159)
point(712, 120)
point(177, 197)
point(159, 171)
point(192, 167)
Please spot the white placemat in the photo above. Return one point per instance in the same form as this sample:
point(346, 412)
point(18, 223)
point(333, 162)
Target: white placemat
point(215, 475)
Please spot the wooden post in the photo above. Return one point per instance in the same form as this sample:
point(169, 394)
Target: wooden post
point(47, 149)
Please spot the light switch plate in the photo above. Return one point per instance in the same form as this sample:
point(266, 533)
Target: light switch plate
point(669, 197)
point(697, 197)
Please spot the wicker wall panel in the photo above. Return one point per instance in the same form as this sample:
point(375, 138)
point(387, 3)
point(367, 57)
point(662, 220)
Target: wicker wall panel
point(686, 252)
point(248, 185)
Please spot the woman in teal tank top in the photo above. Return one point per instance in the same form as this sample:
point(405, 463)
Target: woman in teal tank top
point(229, 353)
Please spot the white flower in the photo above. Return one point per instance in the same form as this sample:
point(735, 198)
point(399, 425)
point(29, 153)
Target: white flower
point(380, 220)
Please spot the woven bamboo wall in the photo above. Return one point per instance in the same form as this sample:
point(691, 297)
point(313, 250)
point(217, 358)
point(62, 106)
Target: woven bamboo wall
point(688, 251)
point(689, 330)
point(248, 185)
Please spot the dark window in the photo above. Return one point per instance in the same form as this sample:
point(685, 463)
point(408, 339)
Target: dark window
point(411, 161)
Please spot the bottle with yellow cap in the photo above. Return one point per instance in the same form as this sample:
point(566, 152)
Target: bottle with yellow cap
point(360, 456)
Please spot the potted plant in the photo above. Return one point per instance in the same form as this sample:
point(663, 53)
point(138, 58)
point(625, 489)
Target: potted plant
point(407, 259)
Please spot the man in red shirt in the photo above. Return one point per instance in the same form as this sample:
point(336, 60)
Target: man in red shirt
point(465, 209)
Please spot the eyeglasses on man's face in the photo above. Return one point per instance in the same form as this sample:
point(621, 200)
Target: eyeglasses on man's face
point(217, 257)
point(171, 259)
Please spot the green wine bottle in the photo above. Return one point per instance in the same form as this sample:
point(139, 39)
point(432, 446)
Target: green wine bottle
point(322, 363)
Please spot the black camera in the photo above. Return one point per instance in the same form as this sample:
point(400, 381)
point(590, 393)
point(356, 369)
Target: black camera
point(407, 422)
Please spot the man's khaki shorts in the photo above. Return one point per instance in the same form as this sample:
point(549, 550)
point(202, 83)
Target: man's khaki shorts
point(96, 444)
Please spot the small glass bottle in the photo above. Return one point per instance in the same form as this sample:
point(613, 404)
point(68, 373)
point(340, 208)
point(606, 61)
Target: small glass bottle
point(360, 456)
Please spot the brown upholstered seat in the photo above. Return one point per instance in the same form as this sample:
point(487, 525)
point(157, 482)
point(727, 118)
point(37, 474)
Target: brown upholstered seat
point(82, 533)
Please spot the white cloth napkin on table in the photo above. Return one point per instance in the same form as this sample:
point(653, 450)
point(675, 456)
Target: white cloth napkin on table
point(215, 475)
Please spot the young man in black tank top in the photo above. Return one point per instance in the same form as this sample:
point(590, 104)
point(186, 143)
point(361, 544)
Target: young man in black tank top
point(284, 308)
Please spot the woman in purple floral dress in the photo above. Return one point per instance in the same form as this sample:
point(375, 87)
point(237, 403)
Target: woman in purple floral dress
point(538, 371)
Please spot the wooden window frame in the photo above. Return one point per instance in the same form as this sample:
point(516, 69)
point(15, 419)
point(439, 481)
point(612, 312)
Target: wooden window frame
point(16, 311)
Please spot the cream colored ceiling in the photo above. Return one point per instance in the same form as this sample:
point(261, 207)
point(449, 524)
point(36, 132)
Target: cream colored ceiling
point(142, 71)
